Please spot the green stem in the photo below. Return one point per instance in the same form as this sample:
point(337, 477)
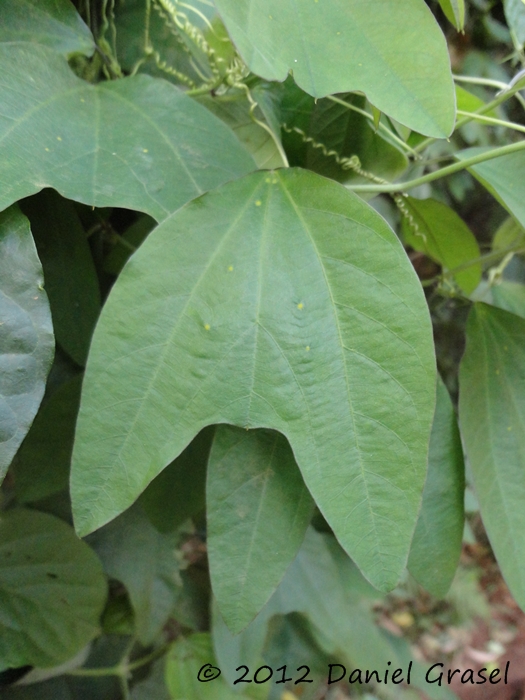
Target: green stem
point(492, 121)
point(496, 255)
point(442, 172)
point(123, 669)
point(381, 126)
point(489, 106)
point(480, 81)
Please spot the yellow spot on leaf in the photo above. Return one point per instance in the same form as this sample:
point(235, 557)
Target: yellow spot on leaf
point(144, 150)
point(497, 371)
point(300, 306)
point(59, 138)
point(230, 269)
point(207, 327)
point(505, 347)
point(258, 203)
point(307, 348)
point(509, 428)
point(288, 696)
point(47, 149)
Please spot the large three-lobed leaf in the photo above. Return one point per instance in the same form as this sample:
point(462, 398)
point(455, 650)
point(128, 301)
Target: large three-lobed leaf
point(392, 51)
point(138, 143)
point(282, 301)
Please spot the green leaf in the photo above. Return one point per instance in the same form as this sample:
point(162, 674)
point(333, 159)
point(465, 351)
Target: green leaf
point(153, 687)
point(178, 492)
point(282, 301)
point(52, 590)
point(41, 466)
point(53, 23)
point(258, 509)
point(503, 177)
point(128, 243)
point(136, 554)
point(454, 11)
point(346, 46)
point(348, 133)
point(256, 139)
point(137, 143)
point(26, 334)
point(69, 271)
point(185, 659)
point(515, 16)
point(437, 540)
point(442, 235)
point(492, 414)
point(510, 296)
point(508, 235)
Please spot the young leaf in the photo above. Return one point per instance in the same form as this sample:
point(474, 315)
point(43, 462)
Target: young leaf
point(437, 540)
point(26, 334)
point(52, 590)
point(348, 45)
point(503, 177)
point(454, 11)
point(440, 233)
point(136, 554)
point(258, 509)
point(492, 414)
point(283, 301)
point(53, 23)
point(69, 271)
point(179, 492)
point(138, 142)
point(41, 466)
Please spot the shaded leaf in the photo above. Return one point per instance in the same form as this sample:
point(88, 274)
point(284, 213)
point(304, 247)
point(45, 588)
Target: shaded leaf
point(69, 271)
point(322, 334)
point(440, 233)
point(154, 687)
point(436, 546)
point(26, 333)
point(508, 234)
point(137, 142)
point(41, 466)
point(136, 554)
point(178, 492)
point(510, 296)
point(492, 414)
point(258, 509)
point(133, 237)
point(53, 23)
point(503, 177)
point(350, 45)
point(52, 590)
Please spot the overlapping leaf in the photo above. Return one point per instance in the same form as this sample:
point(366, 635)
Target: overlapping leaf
point(437, 540)
point(256, 498)
point(71, 279)
point(53, 23)
point(138, 143)
point(492, 415)
point(351, 45)
point(52, 590)
point(26, 333)
point(281, 301)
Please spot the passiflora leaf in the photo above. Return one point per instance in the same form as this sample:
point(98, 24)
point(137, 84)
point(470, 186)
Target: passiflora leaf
point(492, 414)
point(437, 540)
point(52, 590)
point(53, 23)
point(258, 509)
point(41, 466)
point(26, 333)
point(440, 233)
point(71, 279)
point(510, 296)
point(138, 142)
point(136, 554)
point(508, 234)
point(178, 492)
point(351, 45)
point(280, 301)
point(503, 177)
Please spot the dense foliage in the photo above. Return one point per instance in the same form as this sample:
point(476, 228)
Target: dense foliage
point(235, 236)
